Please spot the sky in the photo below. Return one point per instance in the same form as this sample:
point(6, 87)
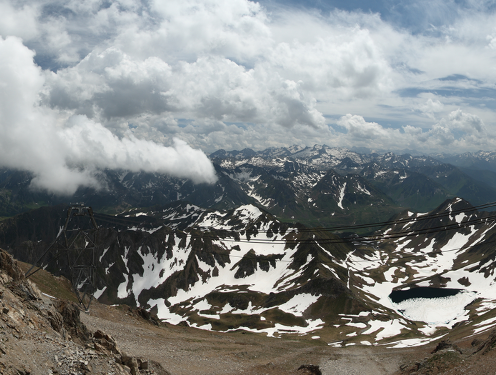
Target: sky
point(157, 85)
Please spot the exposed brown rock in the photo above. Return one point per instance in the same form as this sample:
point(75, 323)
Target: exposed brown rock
point(130, 362)
point(446, 345)
point(42, 335)
point(71, 319)
point(105, 343)
point(487, 345)
point(10, 267)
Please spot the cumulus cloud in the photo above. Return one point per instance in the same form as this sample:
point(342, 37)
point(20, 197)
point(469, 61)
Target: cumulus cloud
point(359, 128)
point(112, 84)
point(214, 60)
point(430, 107)
point(237, 29)
point(467, 122)
point(231, 73)
point(64, 155)
point(458, 130)
point(18, 20)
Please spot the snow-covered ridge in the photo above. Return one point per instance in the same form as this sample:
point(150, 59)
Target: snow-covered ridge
point(273, 271)
point(244, 265)
point(318, 156)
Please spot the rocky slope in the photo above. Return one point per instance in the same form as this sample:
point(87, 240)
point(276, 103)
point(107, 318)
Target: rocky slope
point(227, 263)
point(40, 334)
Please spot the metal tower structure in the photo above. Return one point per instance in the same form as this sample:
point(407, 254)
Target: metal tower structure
point(75, 248)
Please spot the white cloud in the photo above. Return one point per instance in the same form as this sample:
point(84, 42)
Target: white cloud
point(236, 29)
point(64, 156)
point(458, 130)
point(347, 62)
point(467, 122)
point(223, 63)
point(18, 20)
point(113, 84)
point(360, 129)
point(432, 106)
point(229, 73)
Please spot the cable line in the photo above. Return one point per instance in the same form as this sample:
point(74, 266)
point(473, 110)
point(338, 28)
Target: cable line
point(254, 257)
point(119, 220)
point(373, 238)
point(389, 222)
point(356, 239)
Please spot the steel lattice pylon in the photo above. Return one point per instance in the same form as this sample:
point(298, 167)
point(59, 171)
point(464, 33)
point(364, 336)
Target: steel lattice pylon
point(79, 247)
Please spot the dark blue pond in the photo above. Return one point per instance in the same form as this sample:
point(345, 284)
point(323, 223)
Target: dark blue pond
point(398, 296)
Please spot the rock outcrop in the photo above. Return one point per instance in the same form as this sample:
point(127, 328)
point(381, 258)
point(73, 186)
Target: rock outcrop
point(40, 334)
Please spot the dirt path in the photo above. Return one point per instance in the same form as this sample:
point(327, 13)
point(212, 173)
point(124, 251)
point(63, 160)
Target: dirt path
point(360, 361)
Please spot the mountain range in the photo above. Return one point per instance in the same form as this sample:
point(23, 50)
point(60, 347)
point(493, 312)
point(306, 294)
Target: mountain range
point(351, 248)
point(244, 269)
point(317, 186)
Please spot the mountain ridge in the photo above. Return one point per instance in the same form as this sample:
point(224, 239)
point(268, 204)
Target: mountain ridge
point(284, 181)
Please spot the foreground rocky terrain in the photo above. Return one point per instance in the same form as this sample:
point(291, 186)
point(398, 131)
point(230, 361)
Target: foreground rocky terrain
point(42, 334)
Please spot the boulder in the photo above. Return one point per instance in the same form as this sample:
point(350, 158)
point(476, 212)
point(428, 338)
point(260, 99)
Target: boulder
point(105, 343)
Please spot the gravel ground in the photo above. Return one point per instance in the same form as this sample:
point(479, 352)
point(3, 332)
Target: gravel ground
point(185, 350)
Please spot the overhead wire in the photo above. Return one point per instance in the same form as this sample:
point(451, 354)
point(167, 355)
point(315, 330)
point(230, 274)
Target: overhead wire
point(125, 221)
point(357, 240)
point(118, 220)
point(399, 235)
point(256, 257)
point(369, 238)
point(367, 260)
point(372, 238)
point(397, 221)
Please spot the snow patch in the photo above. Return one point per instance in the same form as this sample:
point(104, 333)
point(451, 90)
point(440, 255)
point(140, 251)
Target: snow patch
point(298, 304)
point(442, 311)
point(99, 292)
point(341, 197)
